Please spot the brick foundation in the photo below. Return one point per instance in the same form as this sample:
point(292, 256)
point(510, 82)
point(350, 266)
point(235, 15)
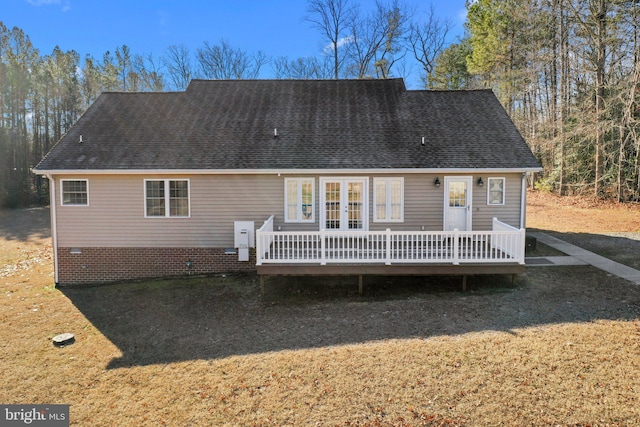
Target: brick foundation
point(102, 265)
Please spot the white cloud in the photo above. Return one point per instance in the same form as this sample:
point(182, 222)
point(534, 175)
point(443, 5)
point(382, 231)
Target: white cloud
point(66, 5)
point(343, 41)
point(43, 2)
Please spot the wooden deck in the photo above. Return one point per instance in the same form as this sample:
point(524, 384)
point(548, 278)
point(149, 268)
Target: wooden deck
point(391, 253)
point(387, 270)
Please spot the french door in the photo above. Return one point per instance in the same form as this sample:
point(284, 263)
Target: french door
point(343, 204)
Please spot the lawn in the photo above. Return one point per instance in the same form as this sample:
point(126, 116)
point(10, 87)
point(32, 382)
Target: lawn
point(560, 346)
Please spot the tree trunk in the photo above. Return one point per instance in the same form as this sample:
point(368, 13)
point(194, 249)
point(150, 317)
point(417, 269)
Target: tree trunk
point(600, 92)
point(563, 48)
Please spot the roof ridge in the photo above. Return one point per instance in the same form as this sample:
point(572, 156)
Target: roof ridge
point(450, 90)
point(387, 82)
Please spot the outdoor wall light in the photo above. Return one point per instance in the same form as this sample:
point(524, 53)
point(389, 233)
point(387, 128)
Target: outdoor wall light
point(436, 182)
point(480, 182)
point(189, 264)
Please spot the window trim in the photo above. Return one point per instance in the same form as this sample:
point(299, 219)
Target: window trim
point(167, 198)
point(388, 208)
point(299, 181)
point(504, 190)
point(62, 203)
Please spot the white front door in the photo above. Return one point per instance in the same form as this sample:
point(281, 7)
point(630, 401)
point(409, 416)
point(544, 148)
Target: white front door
point(344, 203)
point(457, 202)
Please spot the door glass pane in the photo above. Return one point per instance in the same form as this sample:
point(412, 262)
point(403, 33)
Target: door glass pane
point(458, 194)
point(356, 198)
point(381, 199)
point(332, 205)
point(292, 200)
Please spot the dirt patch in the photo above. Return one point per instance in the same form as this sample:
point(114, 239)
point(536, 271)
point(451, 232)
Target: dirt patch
point(572, 214)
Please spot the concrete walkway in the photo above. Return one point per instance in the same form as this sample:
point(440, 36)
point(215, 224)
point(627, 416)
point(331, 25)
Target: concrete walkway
point(584, 257)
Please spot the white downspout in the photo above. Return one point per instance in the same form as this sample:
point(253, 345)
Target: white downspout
point(523, 201)
point(54, 224)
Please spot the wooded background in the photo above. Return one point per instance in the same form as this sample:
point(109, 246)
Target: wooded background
point(566, 71)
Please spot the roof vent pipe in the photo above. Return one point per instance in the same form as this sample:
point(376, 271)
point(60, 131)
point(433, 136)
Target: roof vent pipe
point(80, 142)
point(423, 140)
point(275, 132)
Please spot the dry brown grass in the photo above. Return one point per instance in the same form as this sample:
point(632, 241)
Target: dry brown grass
point(557, 373)
point(580, 215)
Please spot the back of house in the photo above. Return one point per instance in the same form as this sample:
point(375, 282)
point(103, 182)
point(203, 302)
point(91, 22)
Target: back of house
point(362, 175)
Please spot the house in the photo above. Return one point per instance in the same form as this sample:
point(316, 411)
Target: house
point(289, 177)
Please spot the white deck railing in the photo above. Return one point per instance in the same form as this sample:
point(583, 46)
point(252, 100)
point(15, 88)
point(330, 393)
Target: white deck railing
point(502, 244)
point(267, 226)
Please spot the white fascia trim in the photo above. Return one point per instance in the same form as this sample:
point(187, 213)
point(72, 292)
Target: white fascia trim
point(282, 171)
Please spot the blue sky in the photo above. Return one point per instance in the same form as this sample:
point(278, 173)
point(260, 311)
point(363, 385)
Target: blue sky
point(93, 27)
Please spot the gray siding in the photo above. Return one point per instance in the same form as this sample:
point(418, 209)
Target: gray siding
point(508, 213)
point(422, 205)
point(115, 215)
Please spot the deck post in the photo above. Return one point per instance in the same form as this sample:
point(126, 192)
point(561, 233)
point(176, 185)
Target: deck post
point(387, 261)
point(259, 253)
point(464, 283)
point(521, 246)
point(360, 284)
point(323, 248)
point(456, 247)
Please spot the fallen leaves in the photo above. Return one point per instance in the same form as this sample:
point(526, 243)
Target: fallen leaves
point(27, 260)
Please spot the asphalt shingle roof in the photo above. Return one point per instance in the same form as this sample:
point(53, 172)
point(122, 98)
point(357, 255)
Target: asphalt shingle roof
point(321, 124)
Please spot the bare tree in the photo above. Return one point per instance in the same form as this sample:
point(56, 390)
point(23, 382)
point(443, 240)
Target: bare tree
point(302, 68)
point(366, 40)
point(148, 73)
point(332, 18)
point(428, 40)
point(378, 40)
point(177, 62)
point(224, 62)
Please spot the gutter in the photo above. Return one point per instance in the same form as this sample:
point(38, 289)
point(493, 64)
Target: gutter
point(523, 201)
point(341, 171)
point(54, 223)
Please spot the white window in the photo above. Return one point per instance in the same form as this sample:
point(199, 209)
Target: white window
point(388, 199)
point(495, 191)
point(74, 192)
point(166, 198)
point(299, 200)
